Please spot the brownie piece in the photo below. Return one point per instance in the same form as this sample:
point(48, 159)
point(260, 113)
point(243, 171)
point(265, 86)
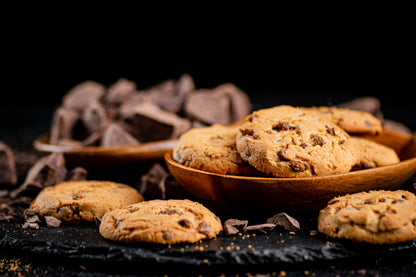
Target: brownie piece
point(8, 173)
point(147, 122)
point(208, 106)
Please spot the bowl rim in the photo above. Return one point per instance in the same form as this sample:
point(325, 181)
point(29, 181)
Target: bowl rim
point(169, 159)
point(40, 145)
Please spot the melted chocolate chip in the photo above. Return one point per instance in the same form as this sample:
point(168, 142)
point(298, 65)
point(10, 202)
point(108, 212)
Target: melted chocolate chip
point(185, 223)
point(204, 228)
point(330, 130)
point(317, 140)
point(283, 126)
point(297, 166)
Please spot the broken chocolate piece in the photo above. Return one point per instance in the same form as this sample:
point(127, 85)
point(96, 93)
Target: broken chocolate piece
point(52, 221)
point(115, 135)
point(147, 122)
point(47, 171)
point(231, 226)
point(240, 104)
point(155, 177)
point(94, 117)
point(33, 219)
point(261, 227)
point(77, 174)
point(8, 173)
point(170, 95)
point(208, 106)
point(83, 94)
point(120, 92)
point(28, 225)
point(63, 125)
point(285, 221)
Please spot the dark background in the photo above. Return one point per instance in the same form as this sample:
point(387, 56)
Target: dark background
point(306, 65)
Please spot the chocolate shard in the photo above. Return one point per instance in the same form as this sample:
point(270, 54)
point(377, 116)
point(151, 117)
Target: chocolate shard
point(232, 226)
point(83, 94)
point(77, 174)
point(63, 124)
point(208, 107)
point(120, 92)
point(47, 171)
point(154, 180)
point(52, 222)
point(170, 95)
point(94, 117)
point(286, 221)
point(147, 122)
point(261, 227)
point(8, 173)
point(115, 135)
point(240, 104)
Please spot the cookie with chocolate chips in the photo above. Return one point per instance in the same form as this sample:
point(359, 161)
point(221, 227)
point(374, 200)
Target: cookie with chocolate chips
point(352, 121)
point(372, 154)
point(288, 142)
point(83, 200)
point(161, 221)
point(212, 149)
point(377, 217)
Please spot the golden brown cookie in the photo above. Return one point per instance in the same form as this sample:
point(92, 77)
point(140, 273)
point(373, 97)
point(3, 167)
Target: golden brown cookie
point(288, 142)
point(371, 154)
point(212, 149)
point(77, 201)
point(352, 121)
point(378, 217)
point(161, 221)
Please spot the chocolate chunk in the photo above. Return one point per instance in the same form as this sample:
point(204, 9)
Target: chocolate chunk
point(240, 104)
point(297, 166)
point(153, 182)
point(63, 125)
point(167, 235)
point(231, 226)
point(28, 225)
point(283, 126)
point(261, 227)
point(120, 92)
point(285, 221)
point(170, 212)
point(330, 130)
point(8, 173)
point(47, 171)
point(29, 212)
point(170, 95)
point(204, 228)
point(208, 106)
point(52, 221)
point(317, 140)
point(77, 174)
point(83, 94)
point(185, 223)
point(147, 122)
point(115, 135)
point(33, 219)
point(65, 212)
point(94, 117)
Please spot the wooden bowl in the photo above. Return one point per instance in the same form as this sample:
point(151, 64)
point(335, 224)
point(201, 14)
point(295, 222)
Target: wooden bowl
point(102, 157)
point(297, 194)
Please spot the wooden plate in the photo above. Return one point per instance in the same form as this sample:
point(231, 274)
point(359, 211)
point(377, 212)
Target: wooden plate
point(100, 157)
point(298, 194)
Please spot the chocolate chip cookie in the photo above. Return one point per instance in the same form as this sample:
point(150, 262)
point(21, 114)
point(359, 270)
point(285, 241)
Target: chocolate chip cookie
point(371, 154)
point(288, 142)
point(352, 121)
point(83, 200)
point(161, 221)
point(377, 217)
point(212, 149)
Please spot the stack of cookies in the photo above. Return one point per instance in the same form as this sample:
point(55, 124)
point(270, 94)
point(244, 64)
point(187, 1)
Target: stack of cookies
point(286, 141)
